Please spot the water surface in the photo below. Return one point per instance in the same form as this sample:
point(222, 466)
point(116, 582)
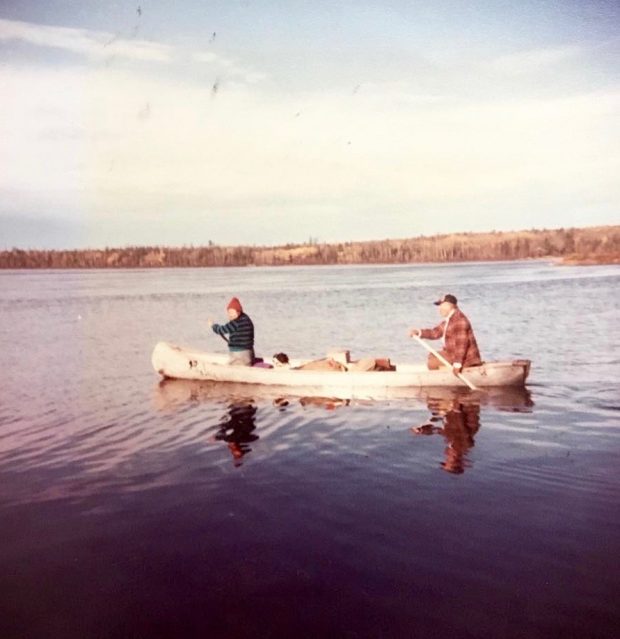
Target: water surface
point(132, 508)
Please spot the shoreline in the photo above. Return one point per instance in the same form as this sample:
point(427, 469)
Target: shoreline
point(585, 260)
point(553, 260)
point(586, 246)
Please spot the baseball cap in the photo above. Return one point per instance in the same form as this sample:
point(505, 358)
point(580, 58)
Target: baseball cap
point(446, 298)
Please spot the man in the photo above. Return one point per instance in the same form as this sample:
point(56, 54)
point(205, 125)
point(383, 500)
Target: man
point(241, 331)
point(459, 343)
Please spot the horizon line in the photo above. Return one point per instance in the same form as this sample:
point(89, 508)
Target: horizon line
point(311, 241)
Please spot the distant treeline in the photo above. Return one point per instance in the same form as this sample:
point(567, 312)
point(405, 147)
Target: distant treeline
point(575, 245)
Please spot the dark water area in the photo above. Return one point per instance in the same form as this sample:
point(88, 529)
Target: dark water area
point(135, 508)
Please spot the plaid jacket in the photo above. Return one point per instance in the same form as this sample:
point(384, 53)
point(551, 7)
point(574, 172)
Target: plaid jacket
point(460, 344)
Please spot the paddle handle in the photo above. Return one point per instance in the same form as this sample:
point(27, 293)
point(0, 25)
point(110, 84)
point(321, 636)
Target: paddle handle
point(443, 360)
point(222, 336)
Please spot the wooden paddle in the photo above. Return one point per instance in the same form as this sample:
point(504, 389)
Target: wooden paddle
point(443, 360)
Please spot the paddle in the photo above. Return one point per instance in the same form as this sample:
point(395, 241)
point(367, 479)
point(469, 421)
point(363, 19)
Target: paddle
point(443, 360)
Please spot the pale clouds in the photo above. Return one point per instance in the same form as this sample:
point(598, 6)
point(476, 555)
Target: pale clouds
point(92, 44)
point(228, 67)
point(534, 60)
point(122, 144)
point(102, 45)
point(126, 147)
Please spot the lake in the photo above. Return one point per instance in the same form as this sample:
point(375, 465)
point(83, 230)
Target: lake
point(134, 508)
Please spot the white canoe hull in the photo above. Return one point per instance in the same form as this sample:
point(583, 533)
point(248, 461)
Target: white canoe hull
point(176, 362)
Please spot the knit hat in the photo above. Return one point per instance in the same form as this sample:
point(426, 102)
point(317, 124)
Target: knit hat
point(236, 304)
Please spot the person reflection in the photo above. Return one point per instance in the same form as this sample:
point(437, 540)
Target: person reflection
point(237, 429)
point(460, 422)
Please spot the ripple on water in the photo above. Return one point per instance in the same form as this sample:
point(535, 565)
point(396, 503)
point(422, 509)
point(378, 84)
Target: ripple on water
point(499, 513)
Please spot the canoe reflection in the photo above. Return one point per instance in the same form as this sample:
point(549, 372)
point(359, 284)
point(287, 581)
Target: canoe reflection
point(457, 418)
point(237, 429)
point(455, 414)
point(171, 392)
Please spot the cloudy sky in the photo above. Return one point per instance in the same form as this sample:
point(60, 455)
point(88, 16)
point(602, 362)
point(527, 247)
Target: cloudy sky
point(264, 122)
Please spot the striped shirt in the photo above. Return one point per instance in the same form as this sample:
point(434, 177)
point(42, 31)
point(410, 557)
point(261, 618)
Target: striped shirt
point(241, 332)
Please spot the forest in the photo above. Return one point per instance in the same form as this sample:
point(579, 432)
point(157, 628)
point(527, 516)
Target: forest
point(592, 245)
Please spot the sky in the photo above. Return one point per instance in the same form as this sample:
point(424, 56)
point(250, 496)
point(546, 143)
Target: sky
point(276, 121)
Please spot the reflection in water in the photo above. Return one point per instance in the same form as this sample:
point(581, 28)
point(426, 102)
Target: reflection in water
point(460, 423)
point(239, 423)
point(237, 429)
point(455, 412)
point(459, 415)
point(170, 393)
point(329, 403)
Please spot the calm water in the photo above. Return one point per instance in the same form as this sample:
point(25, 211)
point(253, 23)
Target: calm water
point(130, 508)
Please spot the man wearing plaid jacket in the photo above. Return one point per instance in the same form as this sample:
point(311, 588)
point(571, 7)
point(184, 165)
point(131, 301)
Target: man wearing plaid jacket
point(459, 342)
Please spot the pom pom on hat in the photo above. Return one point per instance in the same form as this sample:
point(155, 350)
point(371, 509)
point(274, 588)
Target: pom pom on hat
point(236, 304)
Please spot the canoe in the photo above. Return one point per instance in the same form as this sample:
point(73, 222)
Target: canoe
point(176, 362)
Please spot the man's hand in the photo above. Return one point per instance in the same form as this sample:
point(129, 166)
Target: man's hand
point(415, 332)
point(457, 369)
point(210, 323)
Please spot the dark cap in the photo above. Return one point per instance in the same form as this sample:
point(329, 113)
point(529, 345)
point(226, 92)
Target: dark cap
point(446, 298)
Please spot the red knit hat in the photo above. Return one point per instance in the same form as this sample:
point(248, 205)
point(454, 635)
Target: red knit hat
point(236, 304)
